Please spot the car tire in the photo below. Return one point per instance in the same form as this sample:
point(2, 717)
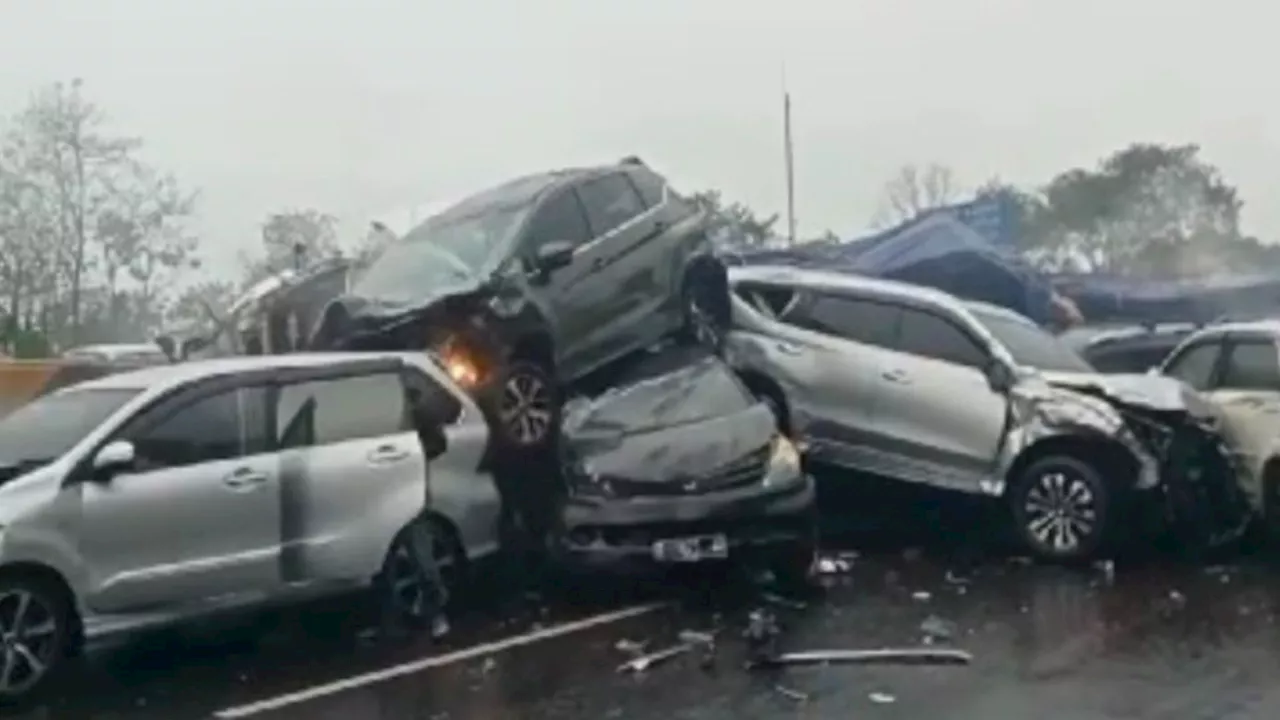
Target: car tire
point(705, 313)
point(400, 585)
point(39, 637)
point(1061, 509)
point(527, 411)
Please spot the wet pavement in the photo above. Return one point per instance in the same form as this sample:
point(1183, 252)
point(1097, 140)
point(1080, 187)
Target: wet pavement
point(1146, 638)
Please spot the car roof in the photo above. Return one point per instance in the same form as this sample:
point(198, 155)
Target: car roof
point(825, 279)
point(115, 348)
point(168, 376)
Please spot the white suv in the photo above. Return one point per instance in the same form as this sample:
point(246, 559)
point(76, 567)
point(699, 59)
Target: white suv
point(157, 495)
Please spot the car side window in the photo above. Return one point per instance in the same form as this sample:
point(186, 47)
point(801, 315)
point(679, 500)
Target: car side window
point(610, 201)
point(650, 184)
point(559, 219)
point(325, 412)
point(1251, 365)
point(932, 336)
point(862, 321)
point(1195, 365)
point(216, 427)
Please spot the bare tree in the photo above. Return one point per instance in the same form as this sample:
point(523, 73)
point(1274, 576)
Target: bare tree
point(290, 237)
point(915, 191)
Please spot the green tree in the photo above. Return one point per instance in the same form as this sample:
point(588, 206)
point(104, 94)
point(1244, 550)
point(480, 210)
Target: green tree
point(735, 221)
point(1147, 210)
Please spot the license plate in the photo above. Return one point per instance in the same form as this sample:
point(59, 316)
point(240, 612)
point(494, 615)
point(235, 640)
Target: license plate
point(691, 549)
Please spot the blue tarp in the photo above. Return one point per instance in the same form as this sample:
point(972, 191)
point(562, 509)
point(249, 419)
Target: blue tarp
point(938, 251)
point(1112, 298)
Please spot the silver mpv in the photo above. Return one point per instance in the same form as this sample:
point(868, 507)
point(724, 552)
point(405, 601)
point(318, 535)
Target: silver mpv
point(914, 384)
point(159, 495)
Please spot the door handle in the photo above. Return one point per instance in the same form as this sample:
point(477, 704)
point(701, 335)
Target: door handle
point(244, 479)
point(787, 348)
point(597, 263)
point(387, 454)
point(897, 376)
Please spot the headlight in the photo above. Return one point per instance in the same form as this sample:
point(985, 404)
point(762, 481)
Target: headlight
point(458, 362)
point(784, 463)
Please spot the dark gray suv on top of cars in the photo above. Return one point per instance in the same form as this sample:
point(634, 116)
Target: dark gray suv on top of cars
point(527, 287)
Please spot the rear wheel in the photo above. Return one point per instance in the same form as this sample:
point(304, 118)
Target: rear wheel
point(1061, 508)
point(37, 636)
point(402, 584)
point(528, 410)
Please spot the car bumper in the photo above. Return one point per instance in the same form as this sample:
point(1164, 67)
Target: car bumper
point(619, 534)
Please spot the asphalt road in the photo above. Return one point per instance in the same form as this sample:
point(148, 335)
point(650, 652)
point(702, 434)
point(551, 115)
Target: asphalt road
point(1152, 638)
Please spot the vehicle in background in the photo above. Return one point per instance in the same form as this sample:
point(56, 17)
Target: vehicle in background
point(124, 353)
point(154, 496)
point(1126, 348)
point(1236, 365)
point(526, 288)
point(679, 463)
point(22, 381)
point(914, 384)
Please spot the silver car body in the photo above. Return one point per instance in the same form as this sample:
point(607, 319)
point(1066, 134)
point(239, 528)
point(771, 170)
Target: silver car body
point(152, 547)
point(1249, 411)
point(907, 416)
point(142, 353)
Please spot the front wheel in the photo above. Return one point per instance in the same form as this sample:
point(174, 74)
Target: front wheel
point(36, 636)
point(528, 408)
point(1061, 509)
point(406, 591)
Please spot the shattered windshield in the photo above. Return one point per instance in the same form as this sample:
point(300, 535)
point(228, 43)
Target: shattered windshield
point(45, 429)
point(453, 246)
point(690, 394)
point(1031, 346)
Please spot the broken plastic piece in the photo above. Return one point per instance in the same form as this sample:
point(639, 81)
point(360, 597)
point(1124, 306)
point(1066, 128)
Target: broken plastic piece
point(791, 694)
point(774, 599)
point(630, 647)
point(936, 628)
point(921, 596)
point(881, 698)
point(644, 662)
point(887, 656)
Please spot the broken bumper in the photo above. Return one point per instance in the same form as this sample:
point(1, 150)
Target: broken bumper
point(620, 534)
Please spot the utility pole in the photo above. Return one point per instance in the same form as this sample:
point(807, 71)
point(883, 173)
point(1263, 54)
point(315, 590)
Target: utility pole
point(789, 159)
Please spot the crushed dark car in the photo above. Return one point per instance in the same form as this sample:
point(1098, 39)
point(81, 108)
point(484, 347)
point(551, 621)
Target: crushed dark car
point(679, 463)
point(525, 288)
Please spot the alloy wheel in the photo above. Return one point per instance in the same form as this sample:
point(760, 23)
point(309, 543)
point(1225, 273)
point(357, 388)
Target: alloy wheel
point(406, 582)
point(526, 409)
point(1061, 511)
point(701, 322)
point(29, 638)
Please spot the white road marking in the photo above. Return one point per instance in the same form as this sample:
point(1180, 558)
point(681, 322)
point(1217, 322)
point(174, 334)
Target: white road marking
point(377, 676)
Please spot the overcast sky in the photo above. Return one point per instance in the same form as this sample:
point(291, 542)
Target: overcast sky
point(359, 107)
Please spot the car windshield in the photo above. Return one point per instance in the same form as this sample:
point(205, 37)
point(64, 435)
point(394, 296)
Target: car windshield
point(43, 430)
point(1032, 346)
point(452, 247)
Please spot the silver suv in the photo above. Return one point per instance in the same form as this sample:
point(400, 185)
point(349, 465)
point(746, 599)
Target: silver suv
point(158, 495)
point(914, 384)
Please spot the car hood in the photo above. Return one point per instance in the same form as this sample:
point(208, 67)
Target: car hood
point(1151, 392)
point(674, 453)
point(351, 317)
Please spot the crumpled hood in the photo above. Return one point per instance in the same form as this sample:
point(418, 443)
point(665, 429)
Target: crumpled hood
point(353, 314)
point(1153, 392)
point(670, 454)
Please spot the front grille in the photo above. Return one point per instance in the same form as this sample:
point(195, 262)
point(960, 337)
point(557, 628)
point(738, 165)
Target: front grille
point(740, 473)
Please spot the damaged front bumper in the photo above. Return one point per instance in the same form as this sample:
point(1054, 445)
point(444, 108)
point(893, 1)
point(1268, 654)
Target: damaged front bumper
point(624, 534)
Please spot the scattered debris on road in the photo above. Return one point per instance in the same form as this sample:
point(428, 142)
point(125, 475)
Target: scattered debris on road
point(913, 656)
point(644, 662)
point(791, 694)
point(881, 698)
point(936, 628)
point(921, 596)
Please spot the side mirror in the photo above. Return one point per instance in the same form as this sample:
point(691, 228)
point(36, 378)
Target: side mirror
point(116, 455)
point(553, 255)
point(999, 375)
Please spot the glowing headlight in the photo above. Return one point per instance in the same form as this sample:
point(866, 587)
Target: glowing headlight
point(462, 370)
point(784, 463)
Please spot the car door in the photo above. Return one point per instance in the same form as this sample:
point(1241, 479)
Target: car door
point(353, 473)
point(620, 281)
point(196, 516)
point(1247, 393)
point(840, 339)
point(568, 295)
point(937, 410)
